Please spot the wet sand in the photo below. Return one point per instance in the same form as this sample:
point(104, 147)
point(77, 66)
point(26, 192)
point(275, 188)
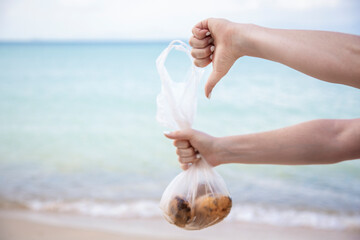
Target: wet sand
point(27, 225)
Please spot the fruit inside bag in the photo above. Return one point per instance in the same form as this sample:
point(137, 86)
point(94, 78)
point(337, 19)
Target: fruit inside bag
point(198, 197)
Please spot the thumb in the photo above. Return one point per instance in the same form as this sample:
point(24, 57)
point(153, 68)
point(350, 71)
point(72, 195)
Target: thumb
point(222, 62)
point(213, 79)
point(180, 135)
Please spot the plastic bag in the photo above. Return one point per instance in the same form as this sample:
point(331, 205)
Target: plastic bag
point(198, 197)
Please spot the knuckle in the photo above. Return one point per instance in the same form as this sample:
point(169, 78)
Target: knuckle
point(194, 53)
point(204, 43)
point(203, 53)
point(201, 63)
point(208, 51)
point(191, 151)
point(183, 144)
point(187, 159)
point(198, 33)
point(184, 166)
point(178, 143)
point(193, 30)
point(191, 41)
point(198, 63)
point(186, 152)
point(200, 43)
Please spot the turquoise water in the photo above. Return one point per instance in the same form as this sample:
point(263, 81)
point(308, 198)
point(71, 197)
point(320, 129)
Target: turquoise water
point(78, 134)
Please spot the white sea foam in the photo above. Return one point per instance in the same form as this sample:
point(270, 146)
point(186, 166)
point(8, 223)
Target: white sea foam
point(143, 209)
point(290, 217)
point(244, 213)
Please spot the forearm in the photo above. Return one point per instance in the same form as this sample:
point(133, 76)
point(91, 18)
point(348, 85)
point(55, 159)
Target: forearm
point(328, 56)
point(314, 142)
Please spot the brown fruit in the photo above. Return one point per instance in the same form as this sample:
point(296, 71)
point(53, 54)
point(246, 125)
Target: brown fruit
point(209, 210)
point(180, 211)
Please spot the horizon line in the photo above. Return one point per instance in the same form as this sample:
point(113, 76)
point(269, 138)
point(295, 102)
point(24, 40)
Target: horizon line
point(13, 41)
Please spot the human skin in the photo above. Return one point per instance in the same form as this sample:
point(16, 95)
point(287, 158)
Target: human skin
point(328, 56)
point(321, 141)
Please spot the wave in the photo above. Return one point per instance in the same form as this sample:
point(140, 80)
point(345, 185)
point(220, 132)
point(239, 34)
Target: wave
point(291, 217)
point(142, 209)
point(239, 213)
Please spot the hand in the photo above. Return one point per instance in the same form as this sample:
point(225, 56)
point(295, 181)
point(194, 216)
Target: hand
point(190, 143)
point(218, 41)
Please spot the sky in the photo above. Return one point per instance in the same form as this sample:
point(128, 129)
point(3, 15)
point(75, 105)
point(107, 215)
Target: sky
point(23, 20)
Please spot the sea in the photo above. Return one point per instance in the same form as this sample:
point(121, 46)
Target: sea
point(78, 134)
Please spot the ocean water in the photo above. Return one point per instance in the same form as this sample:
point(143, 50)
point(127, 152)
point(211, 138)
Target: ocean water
point(78, 134)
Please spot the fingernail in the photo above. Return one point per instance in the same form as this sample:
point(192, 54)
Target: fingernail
point(198, 155)
point(212, 48)
point(166, 132)
point(211, 57)
point(209, 95)
point(211, 40)
point(208, 34)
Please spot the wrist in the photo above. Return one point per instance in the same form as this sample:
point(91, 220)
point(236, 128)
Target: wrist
point(233, 149)
point(224, 149)
point(246, 38)
point(218, 151)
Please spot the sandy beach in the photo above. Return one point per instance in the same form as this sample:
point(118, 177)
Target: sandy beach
point(21, 225)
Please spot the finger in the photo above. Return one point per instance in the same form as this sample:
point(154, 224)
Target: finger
point(182, 144)
point(191, 159)
point(180, 135)
point(187, 152)
point(202, 52)
point(213, 79)
point(203, 62)
point(200, 30)
point(197, 43)
point(184, 166)
point(200, 33)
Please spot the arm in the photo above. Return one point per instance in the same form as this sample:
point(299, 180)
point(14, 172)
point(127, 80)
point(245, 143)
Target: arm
point(314, 142)
point(328, 56)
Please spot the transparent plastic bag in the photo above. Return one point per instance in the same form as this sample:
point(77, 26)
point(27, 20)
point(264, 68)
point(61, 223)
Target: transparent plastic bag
point(198, 197)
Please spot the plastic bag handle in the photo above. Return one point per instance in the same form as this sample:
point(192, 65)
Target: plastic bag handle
point(160, 61)
point(177, 100)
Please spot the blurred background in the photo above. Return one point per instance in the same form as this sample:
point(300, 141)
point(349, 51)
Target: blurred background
point(78, 87)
